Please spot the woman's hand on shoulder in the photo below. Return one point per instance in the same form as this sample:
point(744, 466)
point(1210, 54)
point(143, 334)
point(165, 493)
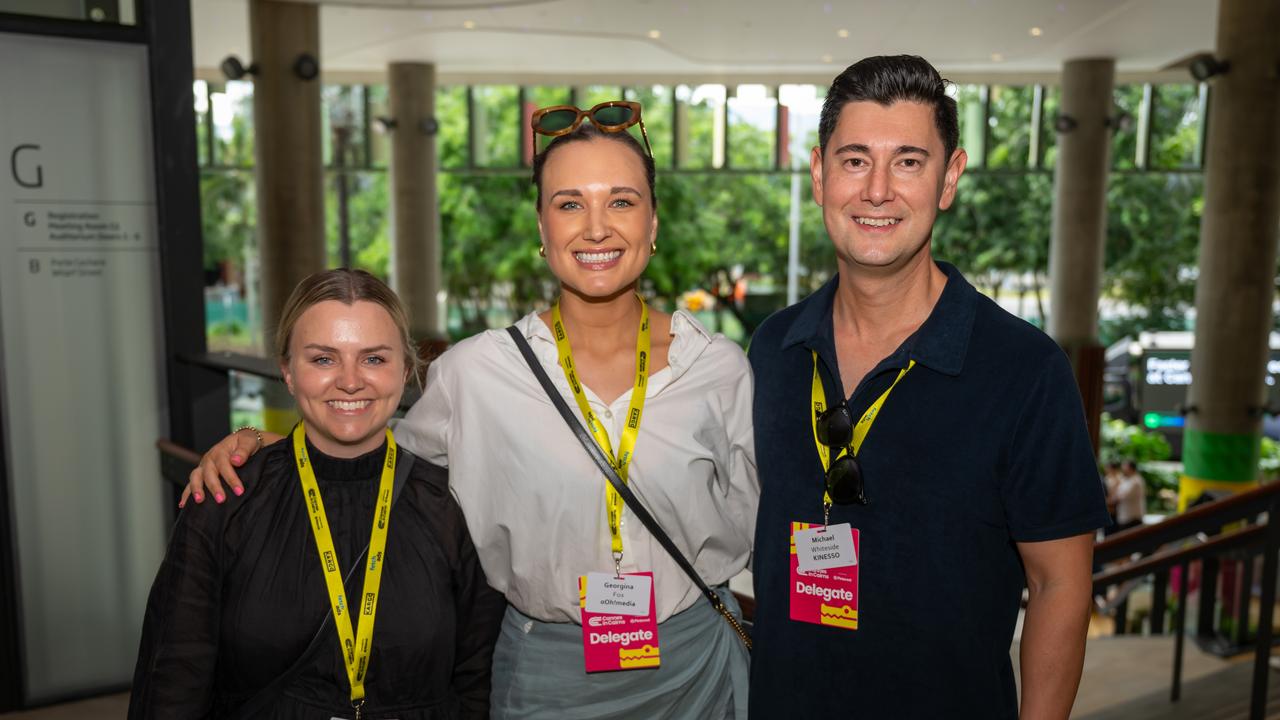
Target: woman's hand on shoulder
point(219, 465)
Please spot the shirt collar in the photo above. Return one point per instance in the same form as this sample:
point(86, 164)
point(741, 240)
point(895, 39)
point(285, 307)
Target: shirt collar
point(940, 344)
point(689, 340)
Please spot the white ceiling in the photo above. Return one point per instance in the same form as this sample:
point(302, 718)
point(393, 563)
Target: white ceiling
point(608, 41)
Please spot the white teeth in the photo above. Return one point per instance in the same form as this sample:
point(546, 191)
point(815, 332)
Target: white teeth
point(349, 404)
point(876, 222)
point(598, 257)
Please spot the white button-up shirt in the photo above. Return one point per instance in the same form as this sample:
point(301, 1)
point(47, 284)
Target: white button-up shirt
point(535, 501)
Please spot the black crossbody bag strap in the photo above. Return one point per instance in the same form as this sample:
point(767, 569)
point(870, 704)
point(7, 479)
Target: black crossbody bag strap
point(255, 705)
point(629, 498)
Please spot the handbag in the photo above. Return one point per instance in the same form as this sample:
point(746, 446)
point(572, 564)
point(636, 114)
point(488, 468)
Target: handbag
point(255, 705)
point(629, 498)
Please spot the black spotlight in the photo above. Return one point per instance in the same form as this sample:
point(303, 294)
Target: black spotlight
point(233, 69)
point(1205, 66)
point(306, 67)
point(1065, 123)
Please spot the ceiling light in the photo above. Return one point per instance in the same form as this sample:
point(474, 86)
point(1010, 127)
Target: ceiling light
point(826, 58)
point(842, 33)
point(654, 34)
point(1036, 32)
point(997, 57)
point(469, 24)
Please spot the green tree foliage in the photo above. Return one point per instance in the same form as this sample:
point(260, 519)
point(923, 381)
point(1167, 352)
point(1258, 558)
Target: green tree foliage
point(718, 227)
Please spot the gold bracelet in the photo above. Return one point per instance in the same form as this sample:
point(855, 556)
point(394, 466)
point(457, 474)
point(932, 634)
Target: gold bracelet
point(256, 432)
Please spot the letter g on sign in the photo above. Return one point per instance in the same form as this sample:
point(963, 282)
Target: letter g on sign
point(26, 180)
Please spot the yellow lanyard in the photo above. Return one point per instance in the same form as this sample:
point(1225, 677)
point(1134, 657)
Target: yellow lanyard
point(620, 462)
point(860, 430)
point(355, 649)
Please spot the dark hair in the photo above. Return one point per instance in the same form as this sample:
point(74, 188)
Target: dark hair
point(587, 131)
point(886, 79)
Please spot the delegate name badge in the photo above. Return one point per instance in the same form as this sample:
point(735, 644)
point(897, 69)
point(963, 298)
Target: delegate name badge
point(824, 574)
point(619, 622)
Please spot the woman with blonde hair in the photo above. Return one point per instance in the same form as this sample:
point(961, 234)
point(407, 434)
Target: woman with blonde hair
point(250, 614)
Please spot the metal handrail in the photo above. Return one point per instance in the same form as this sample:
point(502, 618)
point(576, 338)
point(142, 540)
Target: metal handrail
point(1259, 537)
point(1208, 518)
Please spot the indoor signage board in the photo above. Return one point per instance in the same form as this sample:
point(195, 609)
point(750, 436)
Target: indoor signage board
point(80, 354)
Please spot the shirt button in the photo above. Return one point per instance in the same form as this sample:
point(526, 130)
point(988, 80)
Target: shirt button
point(608, 414)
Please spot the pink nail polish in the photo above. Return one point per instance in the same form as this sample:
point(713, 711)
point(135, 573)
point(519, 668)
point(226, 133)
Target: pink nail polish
point(199, 497)
point(237, 459)
point(219, 498)
point(238, 491)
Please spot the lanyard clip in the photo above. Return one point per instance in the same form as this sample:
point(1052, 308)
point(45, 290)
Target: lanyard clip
point(617, 565)
point(357, 704)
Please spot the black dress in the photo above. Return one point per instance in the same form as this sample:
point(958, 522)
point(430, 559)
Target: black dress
point(241, 593)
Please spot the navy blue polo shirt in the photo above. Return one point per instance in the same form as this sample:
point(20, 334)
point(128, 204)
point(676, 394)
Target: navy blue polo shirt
point(983, 444)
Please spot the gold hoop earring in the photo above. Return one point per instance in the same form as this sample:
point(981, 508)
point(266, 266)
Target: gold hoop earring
point(542, 250)
point(653, 248)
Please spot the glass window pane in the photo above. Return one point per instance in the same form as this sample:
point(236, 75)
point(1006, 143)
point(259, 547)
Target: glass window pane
point(496, 119)
point(1049, 136)
point(1009, 122)
point(801, 110)
point(971, 100)
point(489, 246)
point(232, 109)
point(655, 110)
point(451, 113)
point(228, 218)
point(379, 141)
point(200, 94)
point(700, 124)
point(593, 95)
point(1175, 126)
point(363, 213)
point(1124, 142)
point(753, 122)
point(342, 128)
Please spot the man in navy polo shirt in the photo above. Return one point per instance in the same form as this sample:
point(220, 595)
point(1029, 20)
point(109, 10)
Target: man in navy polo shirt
point(960, 466)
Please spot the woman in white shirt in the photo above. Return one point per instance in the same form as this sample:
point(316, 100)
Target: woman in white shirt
point(536, 504)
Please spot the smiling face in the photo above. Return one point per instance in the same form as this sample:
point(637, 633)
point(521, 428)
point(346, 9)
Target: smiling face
point(597, 217)
point(346, 370)
point(881, 181)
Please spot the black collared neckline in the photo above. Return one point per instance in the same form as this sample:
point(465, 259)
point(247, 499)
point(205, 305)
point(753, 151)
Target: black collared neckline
point(941, 343)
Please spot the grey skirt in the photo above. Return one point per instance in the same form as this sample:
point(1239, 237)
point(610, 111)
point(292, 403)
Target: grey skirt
point(538, 672)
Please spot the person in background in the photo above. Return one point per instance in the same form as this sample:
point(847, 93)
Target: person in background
point(1129, 497)
point(249, 614)
point(673, 403)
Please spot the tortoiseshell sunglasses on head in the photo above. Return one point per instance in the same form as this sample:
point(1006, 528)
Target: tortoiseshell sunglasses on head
point(611, 117)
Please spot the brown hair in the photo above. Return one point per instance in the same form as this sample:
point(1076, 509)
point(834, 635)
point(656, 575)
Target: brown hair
point(347, 286)
point(587, 131)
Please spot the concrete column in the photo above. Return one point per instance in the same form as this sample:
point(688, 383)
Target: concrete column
point(287, 127)
point(415, 246)
point(1080, 224)
point(290, 172)
point(1238, 235)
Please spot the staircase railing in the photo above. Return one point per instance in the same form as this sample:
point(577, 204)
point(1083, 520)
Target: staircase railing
point(1232, 533)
